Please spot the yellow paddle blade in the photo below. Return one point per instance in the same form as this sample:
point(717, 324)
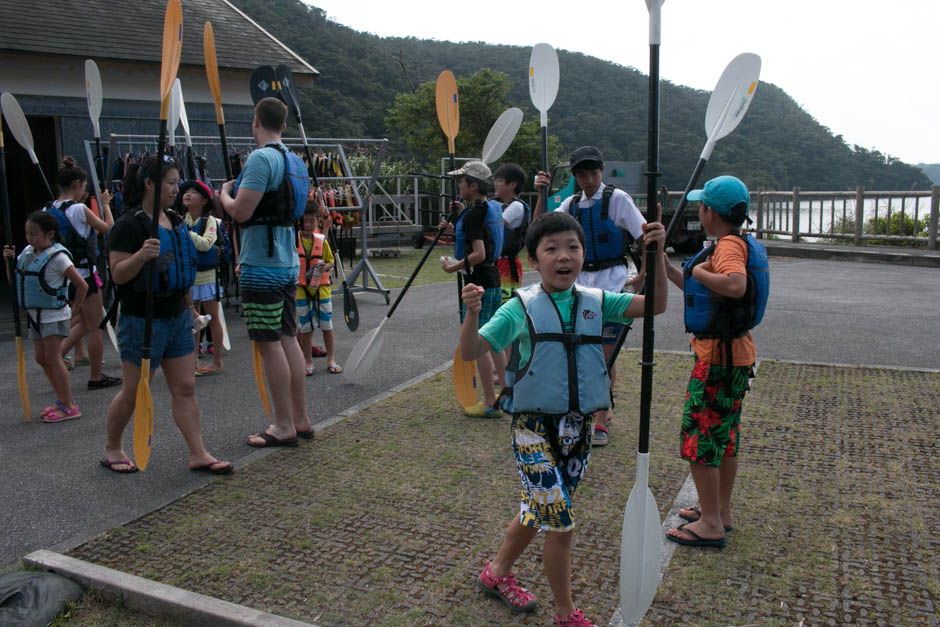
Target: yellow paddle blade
point(448, 109)
point(143, 418)
point(465, 380)
point(259, 379)
point(21, 376)
point(212, 70)
point(170, 57)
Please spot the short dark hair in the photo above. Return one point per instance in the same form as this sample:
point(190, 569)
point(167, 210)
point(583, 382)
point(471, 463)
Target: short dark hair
point(271, 114)
point(549, 224)
point(45, 221)
point(737, 216)
point(137, 173)
point(483, 187)
point(511, 173)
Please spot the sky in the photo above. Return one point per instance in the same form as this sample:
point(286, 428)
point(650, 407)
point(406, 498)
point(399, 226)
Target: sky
point(865, 69)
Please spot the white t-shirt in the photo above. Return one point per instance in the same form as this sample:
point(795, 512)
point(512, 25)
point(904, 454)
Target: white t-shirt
point(513, 214)
point(625, 215)
point(76, 215)
point(55, 276)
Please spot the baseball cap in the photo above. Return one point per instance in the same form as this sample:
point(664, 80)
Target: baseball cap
point(722, 194)
point(476, 169)
point(585, 153)
point(199, 186)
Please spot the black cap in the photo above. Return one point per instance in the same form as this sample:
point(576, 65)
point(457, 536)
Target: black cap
point(585, 153)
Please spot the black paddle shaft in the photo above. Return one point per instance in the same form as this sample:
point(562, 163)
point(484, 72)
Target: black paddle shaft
point(543, 191)
point(156, 175)
point(8, 229)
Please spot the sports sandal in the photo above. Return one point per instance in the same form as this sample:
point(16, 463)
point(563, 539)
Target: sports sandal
point(104, 382)
point(62, 413)
point(574, 619)
point(480, 410)
point(516, 598)
point(600, 436)
point(316, 351)
point(52, 409)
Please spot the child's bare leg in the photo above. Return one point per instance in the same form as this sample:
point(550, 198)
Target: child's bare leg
point(120, 411)
point(709, 523)
point(304, 340)
point(485, 370)
point(726, 474)
point(55, 369)
point(556, 558)
point(328, 345)
point(515, 541)
point(601, 416)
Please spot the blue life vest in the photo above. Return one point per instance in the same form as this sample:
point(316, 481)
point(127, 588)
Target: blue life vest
point(566, 370)
point(286, 204)
point(514, 240)
point(176, 265)
point(32, 289)
point(709, 315)
point(208, 259)
point(83, 250)
point(606, 244)
point(494, 224)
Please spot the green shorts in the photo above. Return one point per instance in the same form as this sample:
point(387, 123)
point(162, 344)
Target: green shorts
point(712, 414)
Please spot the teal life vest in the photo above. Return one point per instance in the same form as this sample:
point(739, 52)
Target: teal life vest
point(175, 267)
point(83, 250)
point(285, 205)
point(494, 225)
point(565, 372)
point(606, 244)
point(32, 288)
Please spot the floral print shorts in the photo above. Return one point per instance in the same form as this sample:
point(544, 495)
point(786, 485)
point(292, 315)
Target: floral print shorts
point(712, 414)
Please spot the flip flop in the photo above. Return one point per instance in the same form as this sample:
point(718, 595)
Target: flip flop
point(728, 528)
point(335, 369)
point(271, 441)
point(306, 435)
point(211, 468)
point(308, 371)
point(110, 465)
point(204, 371)
point(698, 541)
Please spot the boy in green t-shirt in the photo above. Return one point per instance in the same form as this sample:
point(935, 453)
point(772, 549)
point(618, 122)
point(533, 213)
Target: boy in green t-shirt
point(552, 414)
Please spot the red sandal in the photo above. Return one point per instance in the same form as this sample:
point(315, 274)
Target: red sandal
point(513, 595)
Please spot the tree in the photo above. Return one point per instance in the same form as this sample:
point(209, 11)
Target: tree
point(412, 119)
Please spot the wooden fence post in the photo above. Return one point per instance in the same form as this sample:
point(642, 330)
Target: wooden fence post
point(934, 211)
point(859, 213)
point(795, 216)
point(760, 211)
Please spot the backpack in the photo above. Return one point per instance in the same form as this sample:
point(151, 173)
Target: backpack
point(493, 223)
point(514, 240)
point(82, 250)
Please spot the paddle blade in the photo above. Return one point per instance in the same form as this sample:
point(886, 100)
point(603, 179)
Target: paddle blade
point(465, 380)
point(181, 105)
point(262, 83)
point(143, 418)
point(291, 96)
point(226, 342)
point(259, 379)
point(93, 93)
point(21, 379)
point(212, 70)
point(448, 107)
point(170, 56)
point(501, 134)
point(111, 334)
point(640, 548)
point(363, 354)
point(543, 79)
point(18, 124)
point(350, 309)
point(173, 116)
point(732, 95)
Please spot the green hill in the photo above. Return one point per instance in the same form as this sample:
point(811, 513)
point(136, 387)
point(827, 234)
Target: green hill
point(777, 145)
point(932, 170)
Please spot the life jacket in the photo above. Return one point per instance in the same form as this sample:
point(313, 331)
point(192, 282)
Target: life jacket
point(310, 258)
point(83, 250)
point(286, 204)
point(175, 266)
point(493, 224)
point(32, 289)
point(208, 259)
point(709, 315)
point(566, 370)
point(606, 244)
point(514, 240)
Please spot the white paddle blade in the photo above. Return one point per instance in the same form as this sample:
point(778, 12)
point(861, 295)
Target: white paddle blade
point(732, 95)
point(184, 120)
point(501, 135)
point(543, 79)
point(641, 544)
point(93, 93)
point(173, 119)
point(363, 354)
point(110, 328)
point(18, 124)
point(226, 342)
point(656, 23)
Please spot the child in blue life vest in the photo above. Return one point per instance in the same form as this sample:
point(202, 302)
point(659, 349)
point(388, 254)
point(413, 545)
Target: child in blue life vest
point(559, 379)
point(478, 237)
point(712, 413)
point(314, 296)
point(43, 271)
point(171, 342)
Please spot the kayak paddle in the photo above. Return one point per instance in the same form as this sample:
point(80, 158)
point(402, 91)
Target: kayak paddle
point(259, 378)
point(641, 539)
point(184, 122)
point(11, 271)
point(543, 87)
point(501, 134)
point(173, 118)
point(169, 64)
point(263, 83)
point(21, 133)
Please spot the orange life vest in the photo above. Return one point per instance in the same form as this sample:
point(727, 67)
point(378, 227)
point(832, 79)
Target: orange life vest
point(311, 258)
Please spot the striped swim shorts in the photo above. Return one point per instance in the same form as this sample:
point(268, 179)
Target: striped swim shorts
point(270, 313)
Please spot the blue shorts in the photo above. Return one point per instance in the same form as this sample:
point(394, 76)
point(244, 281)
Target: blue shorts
point(169, 338)
point(204, 292)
